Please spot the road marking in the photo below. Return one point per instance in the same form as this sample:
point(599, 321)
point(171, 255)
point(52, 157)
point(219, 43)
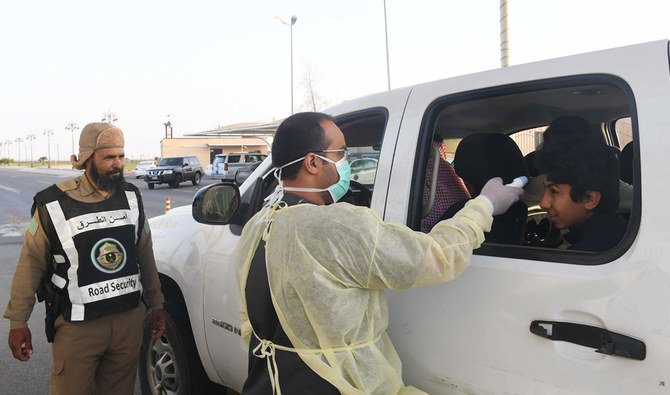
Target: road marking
point(12, 230)
point(10, 189)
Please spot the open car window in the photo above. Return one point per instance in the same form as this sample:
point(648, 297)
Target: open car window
point(512, 122)
point(363, 131)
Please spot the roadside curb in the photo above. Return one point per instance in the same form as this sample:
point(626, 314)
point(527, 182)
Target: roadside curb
point(46, 170)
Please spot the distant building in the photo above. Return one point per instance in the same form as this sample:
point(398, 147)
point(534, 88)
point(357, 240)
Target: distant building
point(241, 137)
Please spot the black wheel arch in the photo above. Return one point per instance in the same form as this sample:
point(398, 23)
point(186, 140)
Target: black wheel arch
point(171, 290)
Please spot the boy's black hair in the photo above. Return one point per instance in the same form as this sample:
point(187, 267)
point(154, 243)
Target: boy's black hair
point(297, 136)
point(584, 163)
point(571, 126)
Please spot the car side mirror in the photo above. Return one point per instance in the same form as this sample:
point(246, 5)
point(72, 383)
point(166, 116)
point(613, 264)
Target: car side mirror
point(184, 165)
point(216, 204)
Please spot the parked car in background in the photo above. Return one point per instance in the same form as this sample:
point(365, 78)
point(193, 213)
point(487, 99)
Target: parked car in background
point(142, 167)
point(226, 165)
point(363, 170)
point(174, 171)
point(244, 172)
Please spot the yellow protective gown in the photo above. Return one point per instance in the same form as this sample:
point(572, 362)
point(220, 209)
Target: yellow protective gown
point(328, 267)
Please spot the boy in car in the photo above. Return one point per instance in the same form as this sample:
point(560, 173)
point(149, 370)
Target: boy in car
point(582, 191)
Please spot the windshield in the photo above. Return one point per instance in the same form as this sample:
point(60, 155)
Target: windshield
point(170, 162)
point(219, 159)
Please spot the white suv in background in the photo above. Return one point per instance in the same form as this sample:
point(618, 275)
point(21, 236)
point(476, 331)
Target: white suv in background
point(226, 165)
point(142, 167)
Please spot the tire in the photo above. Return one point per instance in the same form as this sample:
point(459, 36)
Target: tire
point(171, 365)
point(150, 185)
point(196, 178)
point(176, 182)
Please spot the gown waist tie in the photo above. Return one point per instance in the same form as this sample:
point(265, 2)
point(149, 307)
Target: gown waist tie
point(266, 349)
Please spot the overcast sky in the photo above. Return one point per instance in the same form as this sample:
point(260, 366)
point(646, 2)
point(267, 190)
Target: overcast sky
point(210, 63)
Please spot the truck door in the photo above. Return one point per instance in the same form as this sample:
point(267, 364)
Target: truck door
point(371, 128)
point(527, 317)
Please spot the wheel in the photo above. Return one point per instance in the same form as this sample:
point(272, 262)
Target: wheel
point(176, 182)
point(196, 179)
point(171, 365)
point(150, 185)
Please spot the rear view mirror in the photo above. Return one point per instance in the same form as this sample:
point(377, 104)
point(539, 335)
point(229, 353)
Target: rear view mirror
point(216, 204)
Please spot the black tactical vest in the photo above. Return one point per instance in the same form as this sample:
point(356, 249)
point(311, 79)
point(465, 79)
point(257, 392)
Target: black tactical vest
point(93, 251)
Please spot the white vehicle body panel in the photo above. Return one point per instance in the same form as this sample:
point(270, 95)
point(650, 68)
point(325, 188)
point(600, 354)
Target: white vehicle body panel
point(472, 335)
point(181, 259)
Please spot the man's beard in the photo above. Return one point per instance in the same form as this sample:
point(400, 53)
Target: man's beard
point(111, 181)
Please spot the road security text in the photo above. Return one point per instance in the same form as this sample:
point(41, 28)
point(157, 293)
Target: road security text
point(128, 283)
point(110, 288)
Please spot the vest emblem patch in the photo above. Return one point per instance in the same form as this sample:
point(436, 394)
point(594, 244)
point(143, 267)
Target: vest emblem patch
point(108, 255)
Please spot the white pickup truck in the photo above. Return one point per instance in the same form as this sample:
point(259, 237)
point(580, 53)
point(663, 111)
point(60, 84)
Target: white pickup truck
point(525, 317)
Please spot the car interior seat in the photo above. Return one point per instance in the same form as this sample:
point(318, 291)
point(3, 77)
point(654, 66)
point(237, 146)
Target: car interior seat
point(480, 157)
point(530, 163)
point(626, 164)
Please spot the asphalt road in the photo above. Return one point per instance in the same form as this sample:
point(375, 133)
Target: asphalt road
point(17, 188)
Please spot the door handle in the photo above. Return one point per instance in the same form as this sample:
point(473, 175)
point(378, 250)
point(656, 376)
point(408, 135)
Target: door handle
point(604, 341)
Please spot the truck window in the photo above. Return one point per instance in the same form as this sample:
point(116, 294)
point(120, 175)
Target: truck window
point(170, 162)
point(363, 133)
point(502, 133)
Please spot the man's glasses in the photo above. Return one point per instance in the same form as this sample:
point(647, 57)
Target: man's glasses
point(344, 151)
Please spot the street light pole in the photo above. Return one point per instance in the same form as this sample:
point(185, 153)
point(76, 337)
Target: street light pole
point(19, 140)
point(504, 33)
point(48, 133)
point(72, 127)
point(294, 19)
point(388, 64)
point(31, 137)
point(109, 117)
